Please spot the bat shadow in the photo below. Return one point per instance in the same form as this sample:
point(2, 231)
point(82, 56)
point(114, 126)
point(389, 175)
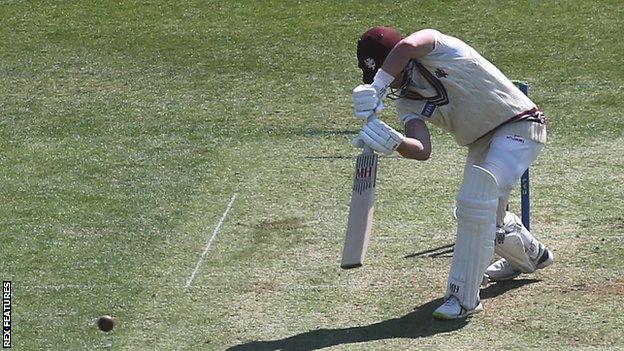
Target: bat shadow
point(416, 324)
point(441, 251)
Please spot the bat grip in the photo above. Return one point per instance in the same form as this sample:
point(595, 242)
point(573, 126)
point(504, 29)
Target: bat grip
point(368, 149)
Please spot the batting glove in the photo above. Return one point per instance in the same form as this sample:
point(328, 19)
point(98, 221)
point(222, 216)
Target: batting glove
point(381, 137)
point(366, 101)
point(357, 142)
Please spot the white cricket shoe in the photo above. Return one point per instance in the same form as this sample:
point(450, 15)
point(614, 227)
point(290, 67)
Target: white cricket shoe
point(502, 270)
point(452, 309)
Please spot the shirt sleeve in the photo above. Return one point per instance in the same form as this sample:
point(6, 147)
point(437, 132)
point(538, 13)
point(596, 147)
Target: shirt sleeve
point(408, 110)
point(437, 41)
point(446, 46)
point(409, 117)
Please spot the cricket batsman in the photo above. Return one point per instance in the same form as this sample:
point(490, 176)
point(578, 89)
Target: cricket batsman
point(439, 79)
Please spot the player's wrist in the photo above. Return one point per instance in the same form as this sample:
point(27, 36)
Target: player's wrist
point(382, 80)
point(398, 139)
point(413, 149)
point(395, 135)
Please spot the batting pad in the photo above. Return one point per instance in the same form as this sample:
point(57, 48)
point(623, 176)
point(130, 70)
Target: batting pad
point(517, 245)
point(477, 202)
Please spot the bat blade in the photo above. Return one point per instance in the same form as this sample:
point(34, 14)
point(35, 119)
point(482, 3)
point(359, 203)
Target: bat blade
point(361, 209)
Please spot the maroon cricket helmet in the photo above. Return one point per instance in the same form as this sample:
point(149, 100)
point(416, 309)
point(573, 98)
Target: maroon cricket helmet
point(373, 48)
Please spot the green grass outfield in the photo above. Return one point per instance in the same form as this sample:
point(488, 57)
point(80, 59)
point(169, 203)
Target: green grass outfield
point(127, 127)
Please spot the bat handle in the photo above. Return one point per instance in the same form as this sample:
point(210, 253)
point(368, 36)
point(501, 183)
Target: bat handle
point(368, 149)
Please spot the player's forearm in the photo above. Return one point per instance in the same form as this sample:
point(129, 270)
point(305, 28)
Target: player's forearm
point(398, 58)
point(414, 149)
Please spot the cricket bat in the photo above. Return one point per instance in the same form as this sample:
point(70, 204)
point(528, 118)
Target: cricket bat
point(360, 223)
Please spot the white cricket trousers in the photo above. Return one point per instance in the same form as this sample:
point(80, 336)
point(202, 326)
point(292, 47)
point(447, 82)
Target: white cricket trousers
point(507, 157)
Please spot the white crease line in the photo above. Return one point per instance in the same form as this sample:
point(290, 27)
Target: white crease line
point(214, 234)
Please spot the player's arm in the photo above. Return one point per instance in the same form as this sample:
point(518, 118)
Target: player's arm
point(417, 141)
point(416, 144)
point(414, 46)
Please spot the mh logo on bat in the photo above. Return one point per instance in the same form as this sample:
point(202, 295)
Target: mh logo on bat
point(363, 173)
point(365, 170)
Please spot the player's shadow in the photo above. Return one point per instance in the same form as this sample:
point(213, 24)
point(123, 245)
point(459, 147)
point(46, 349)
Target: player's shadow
point(416, 324)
